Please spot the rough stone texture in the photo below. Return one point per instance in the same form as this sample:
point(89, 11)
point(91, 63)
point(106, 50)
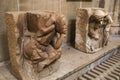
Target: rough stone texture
point(22, 27)
point(74, 62)
point(88, 39)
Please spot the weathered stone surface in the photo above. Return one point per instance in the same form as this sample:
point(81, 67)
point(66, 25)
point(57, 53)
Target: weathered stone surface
point(92, 29)
point(34, 43)
point(73, 62)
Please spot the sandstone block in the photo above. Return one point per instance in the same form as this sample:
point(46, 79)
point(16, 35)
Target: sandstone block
point(92, 29)
point(34, 44)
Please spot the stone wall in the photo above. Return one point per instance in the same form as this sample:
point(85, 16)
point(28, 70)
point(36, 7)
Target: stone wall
point(5, 5)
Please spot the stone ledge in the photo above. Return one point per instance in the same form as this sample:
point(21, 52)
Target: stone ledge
point(73, 61)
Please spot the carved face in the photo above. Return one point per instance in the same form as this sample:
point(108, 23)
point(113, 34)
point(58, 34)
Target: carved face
point(96, 21)
point(94, 25)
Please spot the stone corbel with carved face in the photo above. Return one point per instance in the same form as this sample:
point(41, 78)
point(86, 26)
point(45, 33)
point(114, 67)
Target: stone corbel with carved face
point(95, 27)
point(99, 26)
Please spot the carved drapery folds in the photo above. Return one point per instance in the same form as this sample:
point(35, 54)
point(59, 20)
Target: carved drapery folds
point(38, 37)
point(92, 29)
point(43, 45)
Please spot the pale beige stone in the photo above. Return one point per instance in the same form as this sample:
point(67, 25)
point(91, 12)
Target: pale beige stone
point(33, 45)
point(91, 35)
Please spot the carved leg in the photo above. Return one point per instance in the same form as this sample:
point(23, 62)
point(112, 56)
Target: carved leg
point(105, 41)
point(53, 55)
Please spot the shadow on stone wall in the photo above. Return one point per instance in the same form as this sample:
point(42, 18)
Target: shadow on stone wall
point(4, 46)
point(5, 6)
point(71, 31)
point(4, 53)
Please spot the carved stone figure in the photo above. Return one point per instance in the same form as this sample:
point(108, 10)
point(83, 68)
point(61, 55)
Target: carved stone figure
point(39, 36)
point(92, 29)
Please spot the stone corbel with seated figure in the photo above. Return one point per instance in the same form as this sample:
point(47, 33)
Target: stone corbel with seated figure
point(44, 47)
point(38, 38)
